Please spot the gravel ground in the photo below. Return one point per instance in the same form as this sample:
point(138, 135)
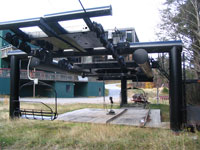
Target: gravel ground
point(91, 100)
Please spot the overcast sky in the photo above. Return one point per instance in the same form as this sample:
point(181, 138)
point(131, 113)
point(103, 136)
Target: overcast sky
point(143, 15)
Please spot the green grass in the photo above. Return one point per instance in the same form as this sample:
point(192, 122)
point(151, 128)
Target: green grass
point(22, 134)
point(165, 90)
point(106, 92)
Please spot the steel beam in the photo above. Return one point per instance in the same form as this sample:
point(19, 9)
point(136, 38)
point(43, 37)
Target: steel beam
point(79, 14)
point(57, 28)
point(130, 72)
point(46, 28)
point(56, 17)
point(56, 67)
point(175, 89)
point(123, 91)
point(139, 78)
point(100, 52)
point(51, 33)
point(155, 47)
point(105, 65)
point(150, 47)
point(21, 34)
point(14, 87)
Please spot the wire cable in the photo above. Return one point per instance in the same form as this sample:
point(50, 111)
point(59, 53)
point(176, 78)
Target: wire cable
point(82, 6)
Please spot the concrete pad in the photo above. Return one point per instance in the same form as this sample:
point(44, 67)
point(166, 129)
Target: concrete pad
point(133, 117)
point(89, 115)
point(155, 119)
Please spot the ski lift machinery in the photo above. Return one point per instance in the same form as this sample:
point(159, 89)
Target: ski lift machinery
point(94, 42)
point(36, 59)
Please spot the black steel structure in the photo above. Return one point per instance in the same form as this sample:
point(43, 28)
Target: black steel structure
point(57, 42)
point(175, 84)
point(14, 87)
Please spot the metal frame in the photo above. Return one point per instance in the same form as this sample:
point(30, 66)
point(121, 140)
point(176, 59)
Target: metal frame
point(120, 69)
point(14, 87)
point(175, 84)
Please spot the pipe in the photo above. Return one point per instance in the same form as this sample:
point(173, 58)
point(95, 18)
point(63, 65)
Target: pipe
point(175, 89)
point(123, 91)
point(14, 87)
point(56, 67)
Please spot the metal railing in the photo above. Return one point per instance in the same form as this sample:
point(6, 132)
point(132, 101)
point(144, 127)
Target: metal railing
point(41, 75)
point(44, 76)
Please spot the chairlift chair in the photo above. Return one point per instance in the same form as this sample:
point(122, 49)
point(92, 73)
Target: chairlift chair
point(47, 114)
point(140, 97)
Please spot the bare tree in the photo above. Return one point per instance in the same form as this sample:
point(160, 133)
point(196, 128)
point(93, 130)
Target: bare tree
point(181, 21)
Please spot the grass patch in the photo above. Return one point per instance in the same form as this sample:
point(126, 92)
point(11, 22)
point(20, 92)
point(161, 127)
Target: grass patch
point(106, 92)
point(61, 108)
point(22, 134)
point(165, 90)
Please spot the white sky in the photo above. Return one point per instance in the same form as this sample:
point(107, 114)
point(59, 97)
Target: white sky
point(143, 15)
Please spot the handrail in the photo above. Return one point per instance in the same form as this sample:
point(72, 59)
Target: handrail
point(41, 75)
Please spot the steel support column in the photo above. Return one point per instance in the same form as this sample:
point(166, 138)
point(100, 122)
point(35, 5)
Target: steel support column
point(14, 87)
point(175, 87)
point(123, 91)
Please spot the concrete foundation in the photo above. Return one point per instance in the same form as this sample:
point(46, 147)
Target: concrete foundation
point(133, 117)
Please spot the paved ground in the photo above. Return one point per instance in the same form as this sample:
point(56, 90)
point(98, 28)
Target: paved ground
point(90, 115)
point(114, 90)
point(88, 100)
point(132, 116)
point(91, 100)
